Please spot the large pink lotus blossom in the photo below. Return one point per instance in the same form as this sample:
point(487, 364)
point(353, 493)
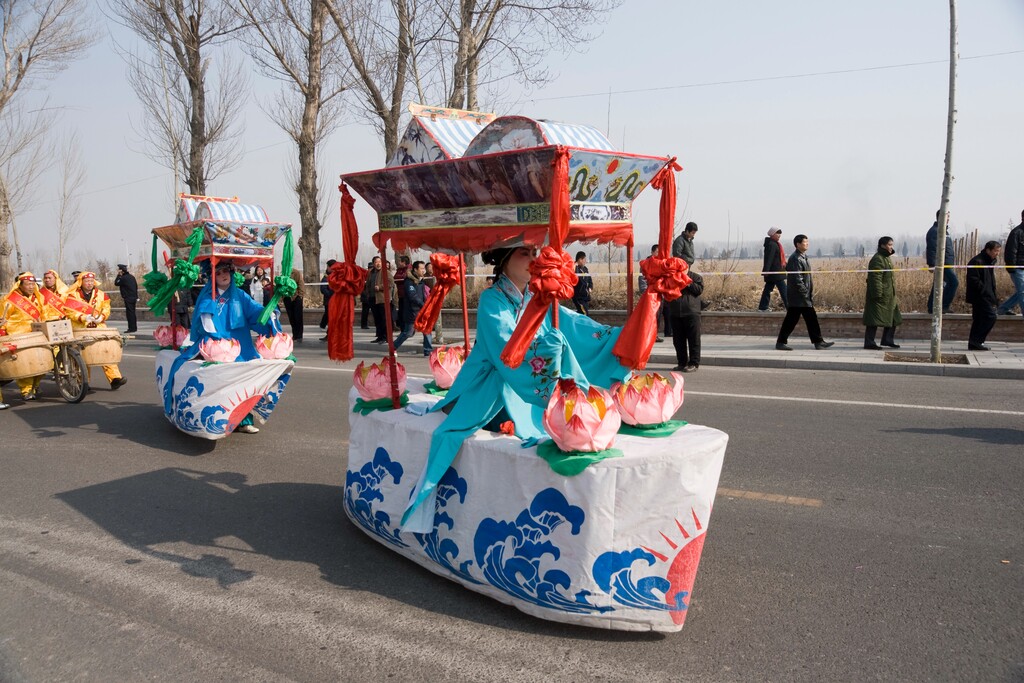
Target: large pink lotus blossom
point(220, 350)
point(164, 336)
point(278, 346)
point(445, 363)
point(374, 382)
point(170, 335)
point(181, 335)
point(580, 420)
point(648, 399)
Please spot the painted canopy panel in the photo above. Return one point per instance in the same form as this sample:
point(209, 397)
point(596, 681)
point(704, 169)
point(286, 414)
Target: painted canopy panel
point(437, 133)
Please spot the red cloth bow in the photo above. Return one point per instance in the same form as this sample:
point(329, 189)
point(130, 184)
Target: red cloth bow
point(552, 277)
point(447, 273)
point(666, 279)
point(346, 280)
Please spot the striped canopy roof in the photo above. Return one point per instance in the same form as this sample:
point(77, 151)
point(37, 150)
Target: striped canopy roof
point(230, 211)
point(574, 135)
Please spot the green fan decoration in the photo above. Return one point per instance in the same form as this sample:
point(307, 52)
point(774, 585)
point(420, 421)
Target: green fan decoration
point(284, 285)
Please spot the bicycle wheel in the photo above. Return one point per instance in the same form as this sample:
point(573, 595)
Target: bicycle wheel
point(69, 373)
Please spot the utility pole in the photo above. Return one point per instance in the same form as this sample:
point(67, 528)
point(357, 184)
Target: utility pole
point(947, 180)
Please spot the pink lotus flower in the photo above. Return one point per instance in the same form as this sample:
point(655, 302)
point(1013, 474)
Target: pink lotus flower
point(180, 335)
point(168, 336)
point(220, 350)
point(581, 421)
point(275, 347)
point(374, 382)
point(445, 363)
point(648, 399)
point(164, 336)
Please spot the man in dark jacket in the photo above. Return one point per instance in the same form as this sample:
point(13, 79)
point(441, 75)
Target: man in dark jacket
point(981, 295)
point(1013, 256)
point(415, 297)
point(949, 281)
point(129, 287)
point(800, 298)
point(584, 285)
point(774, 260)
point(326, 292)
point(682, 246)
point(685, 316)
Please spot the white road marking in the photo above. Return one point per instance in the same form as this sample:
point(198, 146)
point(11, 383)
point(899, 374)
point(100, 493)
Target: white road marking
point(871, 404)
point(755, 397)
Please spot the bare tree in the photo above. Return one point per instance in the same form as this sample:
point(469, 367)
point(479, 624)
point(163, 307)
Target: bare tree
point(24, 155)
point(69, 206)
point(379, 39)
point(39, 39)
point(191, 119)
point(296, 42)
point(493, 40)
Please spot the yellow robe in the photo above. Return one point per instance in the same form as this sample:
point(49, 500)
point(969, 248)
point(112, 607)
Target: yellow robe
point(20, 322)
point(100, 304)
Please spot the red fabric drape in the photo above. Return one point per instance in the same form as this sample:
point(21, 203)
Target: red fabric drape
point(666, 276)
point(446, 272)
point(346, 281)
point(552, 274)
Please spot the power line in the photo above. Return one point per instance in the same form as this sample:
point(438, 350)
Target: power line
point(771, 78)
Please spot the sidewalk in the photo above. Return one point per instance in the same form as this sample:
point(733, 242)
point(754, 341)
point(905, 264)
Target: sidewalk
point(1004, 361)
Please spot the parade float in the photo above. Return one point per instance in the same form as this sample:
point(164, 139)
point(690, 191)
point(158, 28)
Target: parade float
point(208, 391)
point(602, 525)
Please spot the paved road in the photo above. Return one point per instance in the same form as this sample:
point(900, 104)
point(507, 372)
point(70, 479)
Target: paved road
point(131, 551)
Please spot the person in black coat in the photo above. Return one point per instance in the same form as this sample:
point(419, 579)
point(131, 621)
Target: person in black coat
point(684, 313)
point(931, 253)
point(129, 287)
point(413, 301)
point(774, 262)
point(326, 292)
point(981, 295)
point(584, 285)
point(800, 298)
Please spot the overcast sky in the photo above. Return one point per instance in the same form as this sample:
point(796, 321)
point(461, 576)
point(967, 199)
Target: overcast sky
point(721, 85)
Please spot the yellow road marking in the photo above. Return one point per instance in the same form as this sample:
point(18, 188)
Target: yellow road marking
point(771, 497)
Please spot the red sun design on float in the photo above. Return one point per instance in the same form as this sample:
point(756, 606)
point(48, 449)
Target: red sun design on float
point(683, 568)
point(243, 405)
point(614, 164)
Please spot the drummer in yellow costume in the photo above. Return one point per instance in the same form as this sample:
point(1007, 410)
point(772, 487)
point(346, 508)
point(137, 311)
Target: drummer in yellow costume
point(23, 306)
point(53, 291)
point(89, 307)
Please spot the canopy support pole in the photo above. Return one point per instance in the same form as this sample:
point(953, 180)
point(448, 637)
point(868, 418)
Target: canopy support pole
point(629, 275)
point(393, 365)
point(465, 306)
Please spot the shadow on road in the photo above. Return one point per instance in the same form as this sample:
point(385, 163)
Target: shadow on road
point(284, 521)
point(55, 418)
point(1001, 436)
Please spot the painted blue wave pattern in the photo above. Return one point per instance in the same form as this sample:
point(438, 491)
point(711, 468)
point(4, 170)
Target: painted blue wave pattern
point(510, 553)
point(613, 572)
point(269, 401)
point(184, 417)
point(362, 488)
point(445, 551)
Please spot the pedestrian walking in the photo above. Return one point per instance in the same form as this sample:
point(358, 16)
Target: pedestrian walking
point(584, 285)
point(881, 309)
point(949, 280)
point(772, 269)
point(800, 298)
point(685, 316)
point(981, 295)
point(326, 292)
point(1013, 257)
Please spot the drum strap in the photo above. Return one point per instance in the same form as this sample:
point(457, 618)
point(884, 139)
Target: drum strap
point(25, 305)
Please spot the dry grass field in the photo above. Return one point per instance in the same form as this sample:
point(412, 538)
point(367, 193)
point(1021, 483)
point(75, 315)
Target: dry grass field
point(735, 285)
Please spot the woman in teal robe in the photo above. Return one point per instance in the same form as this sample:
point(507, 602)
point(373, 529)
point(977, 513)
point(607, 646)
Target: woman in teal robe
point(487, 391)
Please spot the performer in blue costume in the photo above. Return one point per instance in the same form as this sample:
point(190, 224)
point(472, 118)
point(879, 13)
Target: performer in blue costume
point(487, 392)
point(232, 314)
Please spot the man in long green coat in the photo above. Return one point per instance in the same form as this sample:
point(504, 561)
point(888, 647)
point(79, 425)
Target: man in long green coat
point(880, 306)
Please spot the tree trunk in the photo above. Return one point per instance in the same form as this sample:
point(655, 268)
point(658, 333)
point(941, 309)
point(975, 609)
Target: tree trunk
point(947, 180)
point(197, 125)
point(458, 94)
point(472, 74)
point(6, 274)
point(306, 188)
